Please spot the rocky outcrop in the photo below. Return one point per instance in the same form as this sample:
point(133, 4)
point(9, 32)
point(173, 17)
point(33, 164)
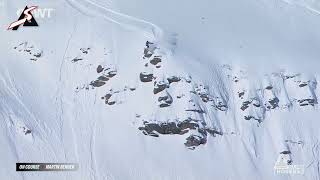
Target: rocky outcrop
point(107, 74)
point(26, 48)
point(165, 100)
point(146, 77)
point(196, 128)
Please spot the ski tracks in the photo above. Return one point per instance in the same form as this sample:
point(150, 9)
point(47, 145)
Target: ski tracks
point(91, 8)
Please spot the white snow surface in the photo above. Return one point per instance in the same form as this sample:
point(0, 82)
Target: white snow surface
point(254, 52)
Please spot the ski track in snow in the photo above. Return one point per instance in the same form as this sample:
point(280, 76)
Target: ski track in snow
point(60, 93)
point(304, 5)
point(94, 165)
point(41, 127)
point(152, 31)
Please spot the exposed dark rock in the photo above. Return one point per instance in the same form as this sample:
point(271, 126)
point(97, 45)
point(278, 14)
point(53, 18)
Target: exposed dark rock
point(172, 79)
point(111, 74)
point(195, 140)
point(290, 76)
point(100, 69)
point(111, 102)
point(273, 103)
point(213, 132)
point(162, 128)
point(97, 83)
point(245, 105)
point(159, 86)
point(241, 94)
point(236, 79)
point(188, 124)
point(285, 152)
point(269, 87)
point(148, 44)
point(27, 132)
point(179, 128)
point(107, 99)
point(196, 110)
point(155, 60)
point(221, 106)
point(84, 50)
point(205, 97)
point(165, 101)
point(303, 84)
point(147, 53)
point(306, 102)
point(103, 78)
point(39, 54)
point(170, 127)
point(76, 60)
point(249, 117)
point(146, 77)
point(256, 104)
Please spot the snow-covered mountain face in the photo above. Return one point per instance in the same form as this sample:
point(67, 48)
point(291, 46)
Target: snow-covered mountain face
point(162, 90)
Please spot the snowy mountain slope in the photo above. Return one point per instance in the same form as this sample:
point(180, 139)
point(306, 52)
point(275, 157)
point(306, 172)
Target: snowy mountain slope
point(125, 105)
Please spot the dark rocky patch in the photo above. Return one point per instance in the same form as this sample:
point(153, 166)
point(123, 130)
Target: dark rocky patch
point(221, 106)
point(84, 50)
point(76, 59)
point(103, 78)
point(100, 69)
point(27, 131)
point(235, 79)
point(162, 128)
point(306, 102)
point(249, 117)
point(148, 44)
point(155, 60)
point(159, 86)
point(241, 94)
point(146, 77)
point(179, 128)
point(165, 100)
point(303, 84)
point(213, 132)
point(194, 141)
point(111, 74)
point(273, 103)
point(285, 152)
point(147, 53)
point(205, 97)
point(245, 105)
point(256, 104)
point(97, 83)
point(107, 99)
point(38, 55)
point(172, 79)
point(196, 110)
point(269, 87)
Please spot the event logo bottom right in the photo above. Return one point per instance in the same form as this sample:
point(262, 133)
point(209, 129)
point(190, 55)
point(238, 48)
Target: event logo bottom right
point(284, 165)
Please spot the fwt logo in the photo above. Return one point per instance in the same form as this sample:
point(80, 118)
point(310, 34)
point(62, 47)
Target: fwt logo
point(26, 18)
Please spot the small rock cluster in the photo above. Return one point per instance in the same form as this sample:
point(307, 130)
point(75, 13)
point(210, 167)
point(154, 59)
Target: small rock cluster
point(30, 50)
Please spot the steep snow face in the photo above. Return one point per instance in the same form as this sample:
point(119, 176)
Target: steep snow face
point(167, 90)
point(262, 33)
